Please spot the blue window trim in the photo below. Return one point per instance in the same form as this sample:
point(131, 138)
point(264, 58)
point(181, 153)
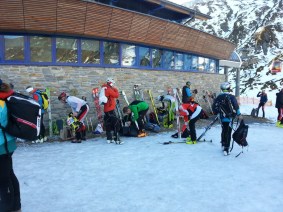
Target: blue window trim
point(27, 56)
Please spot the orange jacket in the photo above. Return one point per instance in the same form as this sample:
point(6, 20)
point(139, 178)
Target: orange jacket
point(111, 93)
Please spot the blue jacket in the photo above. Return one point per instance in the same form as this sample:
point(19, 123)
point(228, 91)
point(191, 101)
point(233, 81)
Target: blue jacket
point(263, 97)
point(3, 121)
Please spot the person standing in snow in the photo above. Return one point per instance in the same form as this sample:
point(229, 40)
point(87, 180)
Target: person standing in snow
point(79, 109)
point(136, 112)
point(220, 106)
point(191, 112)
point(111, 121)
point(279, 106)
point(9, 185)
point(37, 97)
point(262, 101)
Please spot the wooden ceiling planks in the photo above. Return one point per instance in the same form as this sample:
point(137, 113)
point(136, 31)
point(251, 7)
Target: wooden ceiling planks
point(81, 18)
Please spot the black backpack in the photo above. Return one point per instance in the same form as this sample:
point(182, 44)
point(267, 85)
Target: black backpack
point(223, 105)
point(24, 117)
point(240, 135)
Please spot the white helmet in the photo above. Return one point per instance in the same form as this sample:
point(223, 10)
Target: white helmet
point(110, 80)
point(225, 86)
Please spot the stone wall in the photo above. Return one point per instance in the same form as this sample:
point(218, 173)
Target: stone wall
point(79, 81)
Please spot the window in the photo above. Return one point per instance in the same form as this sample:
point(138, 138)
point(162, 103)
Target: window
point(212, 66)
point(202, 64)
point(179, 61)
point(144, 55)
point(40, 49)
point(111, 53)
point(187, 62)
point(66, 50)
point(169, 62)
point(128, 55)
point(156, 58)
point(14, 47)
point(90, 52)
point(194, 63)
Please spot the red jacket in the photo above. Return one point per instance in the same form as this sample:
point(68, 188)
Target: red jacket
point(111, 93)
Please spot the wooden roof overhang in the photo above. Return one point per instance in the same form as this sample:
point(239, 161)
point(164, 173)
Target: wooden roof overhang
point(96, 20)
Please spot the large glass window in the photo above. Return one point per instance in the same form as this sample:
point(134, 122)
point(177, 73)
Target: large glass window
point(111, 53)
point(66, 50)
point(169, 62)
point(144, 55)
point(14, 47)
point(90, 51)
point(156, 58)
point(194, 63)
point(179, 61)
point(40, 49)
point(187, 62)
point(128, 55)
point(212, 66)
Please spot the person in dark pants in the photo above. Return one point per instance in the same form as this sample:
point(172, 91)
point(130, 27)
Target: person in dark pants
point(191, 112)
point(136, 112)
point(9, 185)
point(80, 109)
point(186, 93)
point(226, 119)
point(111, 121)
point(262, 101)
point(279, 106)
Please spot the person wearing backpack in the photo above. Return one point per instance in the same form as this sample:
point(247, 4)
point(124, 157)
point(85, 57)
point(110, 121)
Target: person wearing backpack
point(186, 93)
point(80, 109)
point(111, 121)
point(279, 106)
point(9, 185)
point(262, 101)
point(37, 96)
point(226, 106)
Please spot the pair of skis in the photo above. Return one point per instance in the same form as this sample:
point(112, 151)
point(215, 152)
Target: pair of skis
point(199, 139)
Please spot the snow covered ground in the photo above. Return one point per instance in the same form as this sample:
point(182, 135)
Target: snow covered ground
point(144, 175)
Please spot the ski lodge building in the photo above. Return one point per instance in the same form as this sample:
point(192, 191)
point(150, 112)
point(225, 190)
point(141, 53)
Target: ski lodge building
point(74, 45)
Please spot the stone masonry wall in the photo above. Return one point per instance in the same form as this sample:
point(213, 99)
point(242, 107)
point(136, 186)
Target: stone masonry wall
point(79, 81)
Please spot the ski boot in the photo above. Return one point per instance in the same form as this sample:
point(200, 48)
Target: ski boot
point(142, 133)
point(189, 141)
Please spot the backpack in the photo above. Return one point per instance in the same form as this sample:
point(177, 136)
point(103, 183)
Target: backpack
point(74, 123)
point(102, 98)
point(24, 117)
point(223, 105)
point(240, 134)
point(45, 100)
point(254, 112)
point(152, 118)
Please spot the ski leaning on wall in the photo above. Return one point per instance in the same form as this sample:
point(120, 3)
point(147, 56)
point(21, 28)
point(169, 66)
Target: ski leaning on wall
point(153, 106)
point(99, 128)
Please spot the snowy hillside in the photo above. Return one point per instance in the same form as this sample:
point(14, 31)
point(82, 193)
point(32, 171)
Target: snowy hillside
point(256, 27)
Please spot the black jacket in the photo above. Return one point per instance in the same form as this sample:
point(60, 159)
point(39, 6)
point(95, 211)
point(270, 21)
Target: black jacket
point(279, 100)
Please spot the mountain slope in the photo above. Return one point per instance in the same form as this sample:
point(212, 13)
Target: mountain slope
point(256, 27)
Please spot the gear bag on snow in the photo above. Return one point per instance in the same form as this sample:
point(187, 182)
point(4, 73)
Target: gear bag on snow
point(223, 106)
point(241, 133)
point(24, 116)
point(254, 112)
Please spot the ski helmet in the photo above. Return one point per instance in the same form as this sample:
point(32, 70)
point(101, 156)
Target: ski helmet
point(29, 89)
point(188, 83)
point(160, 98)
point(63, 94)
point(110, 80)
point(225, 86)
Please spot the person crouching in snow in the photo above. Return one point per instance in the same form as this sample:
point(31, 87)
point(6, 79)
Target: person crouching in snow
point(191, 112)
point(136, 112)
point(79, 109)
